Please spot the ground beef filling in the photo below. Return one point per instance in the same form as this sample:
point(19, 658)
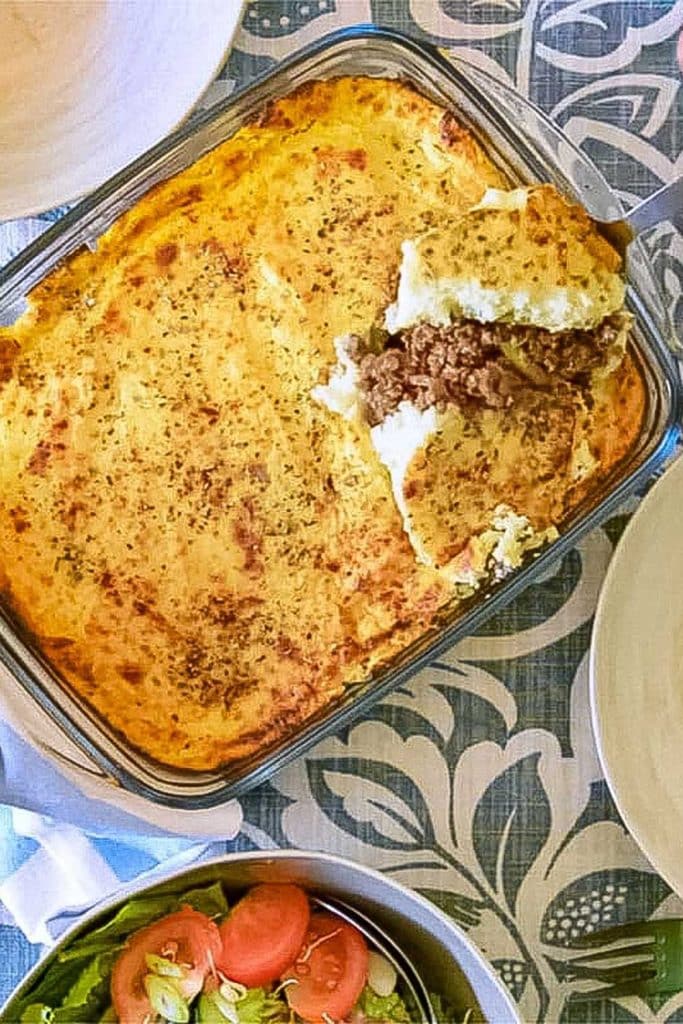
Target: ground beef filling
point(466, 362)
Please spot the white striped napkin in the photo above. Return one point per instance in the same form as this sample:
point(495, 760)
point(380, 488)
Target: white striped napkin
point(61, 851)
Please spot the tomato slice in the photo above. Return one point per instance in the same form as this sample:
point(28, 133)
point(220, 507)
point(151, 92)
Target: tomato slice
point(186, 937)
point(264, 933)
point(330, 972)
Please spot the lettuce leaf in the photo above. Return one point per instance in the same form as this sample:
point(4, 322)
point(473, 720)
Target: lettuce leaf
point(92, 983)
point(142, 911)
point(135, 914)
point(445, 1013)
point(75, 985)
point(257, 1007)
point(84, 1000)
point(51, 989)
point(382, 1007)
point(260, 1007)
point(210, 900)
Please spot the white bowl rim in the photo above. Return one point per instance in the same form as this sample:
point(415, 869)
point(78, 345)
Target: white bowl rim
point(21, 209)
point(644, 832)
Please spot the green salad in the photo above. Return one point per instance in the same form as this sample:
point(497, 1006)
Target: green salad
point(189, 958)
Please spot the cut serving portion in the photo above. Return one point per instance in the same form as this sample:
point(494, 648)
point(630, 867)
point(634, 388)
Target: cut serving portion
point(499, 383)
point(526, 256)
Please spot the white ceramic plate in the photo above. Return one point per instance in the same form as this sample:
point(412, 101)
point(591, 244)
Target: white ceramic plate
point(88, 85)
point(637, 676)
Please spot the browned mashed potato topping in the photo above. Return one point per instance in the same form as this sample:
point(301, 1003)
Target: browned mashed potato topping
point(206, 553)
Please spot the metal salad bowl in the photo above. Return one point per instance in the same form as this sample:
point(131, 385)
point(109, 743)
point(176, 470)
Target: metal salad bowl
point(430, 953)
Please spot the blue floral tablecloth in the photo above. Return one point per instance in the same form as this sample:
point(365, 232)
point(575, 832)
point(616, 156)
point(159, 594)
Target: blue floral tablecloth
point(478, 783)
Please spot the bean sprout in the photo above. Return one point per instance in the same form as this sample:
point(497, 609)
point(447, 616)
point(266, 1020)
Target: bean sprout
point(314, 945)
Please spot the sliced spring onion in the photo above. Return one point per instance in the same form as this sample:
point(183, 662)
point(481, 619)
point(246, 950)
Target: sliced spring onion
point(166, 1000)
point(208, 1012)
point(215, 1009)
point(381, 974)
point(233, 991)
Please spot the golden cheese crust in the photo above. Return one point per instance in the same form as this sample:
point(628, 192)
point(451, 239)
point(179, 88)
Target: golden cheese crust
point(552, 249)
point(204, 553)
point(540, 458)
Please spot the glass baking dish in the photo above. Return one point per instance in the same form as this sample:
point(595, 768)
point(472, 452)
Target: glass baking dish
point(527, 147)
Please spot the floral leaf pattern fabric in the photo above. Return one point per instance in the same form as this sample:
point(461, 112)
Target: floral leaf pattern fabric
point(478, 782)
point(482, 812)
point(510, 827)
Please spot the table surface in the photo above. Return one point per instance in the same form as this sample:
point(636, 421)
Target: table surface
point(478, 783)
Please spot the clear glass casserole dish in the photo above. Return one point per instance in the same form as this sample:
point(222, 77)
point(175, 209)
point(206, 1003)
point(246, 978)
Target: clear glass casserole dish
point(526, 147)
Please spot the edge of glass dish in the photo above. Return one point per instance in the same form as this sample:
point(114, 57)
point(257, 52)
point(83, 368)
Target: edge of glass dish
point(523, 161)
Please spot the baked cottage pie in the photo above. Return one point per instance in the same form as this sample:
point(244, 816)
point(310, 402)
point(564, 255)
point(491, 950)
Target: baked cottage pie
point(332, 377)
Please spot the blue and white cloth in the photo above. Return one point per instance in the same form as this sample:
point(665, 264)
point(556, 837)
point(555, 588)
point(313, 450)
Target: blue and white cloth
point(52, 871)
point(58, 855)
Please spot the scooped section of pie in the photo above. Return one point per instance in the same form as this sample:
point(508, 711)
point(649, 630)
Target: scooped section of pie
point(499, 385)
point(247, 452)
